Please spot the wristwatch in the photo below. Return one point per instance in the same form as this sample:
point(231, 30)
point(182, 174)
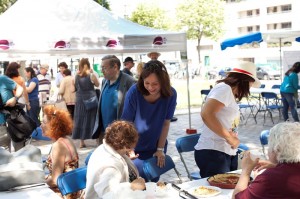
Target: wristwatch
point(160, 149)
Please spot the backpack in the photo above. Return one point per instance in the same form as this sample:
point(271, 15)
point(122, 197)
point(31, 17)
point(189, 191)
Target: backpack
point(19, 125)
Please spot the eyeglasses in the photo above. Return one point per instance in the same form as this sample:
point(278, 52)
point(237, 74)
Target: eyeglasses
point(105, 68)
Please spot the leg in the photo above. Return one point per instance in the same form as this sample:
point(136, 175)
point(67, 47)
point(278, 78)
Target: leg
point(285, 106)
point(4, 138)
point(82, 144)
point(291, 103)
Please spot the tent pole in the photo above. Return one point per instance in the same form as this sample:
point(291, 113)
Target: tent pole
point(280, 59)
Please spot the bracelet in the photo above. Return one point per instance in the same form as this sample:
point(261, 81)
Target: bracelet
point(160, 149)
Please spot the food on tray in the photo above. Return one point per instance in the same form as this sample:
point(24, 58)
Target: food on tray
point(226, 180)
point(206, 191)
point(230, 178)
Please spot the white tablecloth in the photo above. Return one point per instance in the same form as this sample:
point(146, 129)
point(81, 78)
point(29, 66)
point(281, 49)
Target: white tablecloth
point(39, 192)
point(260, 90)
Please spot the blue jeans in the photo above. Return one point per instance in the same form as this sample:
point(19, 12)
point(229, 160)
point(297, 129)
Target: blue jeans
point(288, 100)
point(212, 162)
point(34, 111)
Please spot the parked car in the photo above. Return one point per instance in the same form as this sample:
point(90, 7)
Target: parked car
point(266, 73)
point(223, 72)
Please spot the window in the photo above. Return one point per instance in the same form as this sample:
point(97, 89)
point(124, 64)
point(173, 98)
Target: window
point(249, 28)
point(257, 12)
point(286, 8)
point(257, 28)
point(275, 26)
point(286, 25)
point(249, 12)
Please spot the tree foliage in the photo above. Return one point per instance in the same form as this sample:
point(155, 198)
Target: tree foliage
point(104, 3)
point(5, 4)
point(201, 18)
point(150, 15)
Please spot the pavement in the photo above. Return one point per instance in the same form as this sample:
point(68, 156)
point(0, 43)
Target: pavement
point(248, 134)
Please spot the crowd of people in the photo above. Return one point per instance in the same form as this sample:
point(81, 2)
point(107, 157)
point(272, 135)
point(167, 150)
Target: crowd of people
point(130, 119)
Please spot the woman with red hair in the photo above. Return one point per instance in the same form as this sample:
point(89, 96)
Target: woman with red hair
point(57, 124)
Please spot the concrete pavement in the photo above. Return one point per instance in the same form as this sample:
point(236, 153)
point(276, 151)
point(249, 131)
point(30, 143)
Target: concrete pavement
point(248, 134)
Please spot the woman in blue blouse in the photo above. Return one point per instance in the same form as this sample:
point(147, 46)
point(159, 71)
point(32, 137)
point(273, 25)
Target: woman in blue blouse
point(150, 105)
point(32, 87)
point(289, 92)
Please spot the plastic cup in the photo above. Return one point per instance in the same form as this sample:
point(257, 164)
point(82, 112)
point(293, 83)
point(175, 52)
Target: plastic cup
point(150, 188)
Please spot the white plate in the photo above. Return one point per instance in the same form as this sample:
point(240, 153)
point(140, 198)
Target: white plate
point(217, 189)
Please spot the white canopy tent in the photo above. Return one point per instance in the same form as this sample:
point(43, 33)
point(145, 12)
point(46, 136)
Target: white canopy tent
point(73, 27)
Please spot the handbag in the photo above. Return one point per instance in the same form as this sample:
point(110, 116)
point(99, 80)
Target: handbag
point(19, 125)
point(21, 168)
point(91, 103)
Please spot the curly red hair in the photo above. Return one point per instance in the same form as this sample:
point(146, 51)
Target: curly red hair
point(121, 134)
point(59, 122)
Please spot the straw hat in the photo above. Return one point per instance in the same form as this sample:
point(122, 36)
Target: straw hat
point(158, 54)
point(247, 68)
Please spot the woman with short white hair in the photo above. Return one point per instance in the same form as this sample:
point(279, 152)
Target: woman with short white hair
point(281, 179)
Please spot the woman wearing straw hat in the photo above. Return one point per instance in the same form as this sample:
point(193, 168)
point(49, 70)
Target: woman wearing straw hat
point(216, 149)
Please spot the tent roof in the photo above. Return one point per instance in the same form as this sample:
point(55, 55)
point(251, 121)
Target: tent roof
point(35, 27)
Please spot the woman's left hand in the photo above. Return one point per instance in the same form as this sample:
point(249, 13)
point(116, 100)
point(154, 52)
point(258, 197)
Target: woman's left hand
point(160, 158)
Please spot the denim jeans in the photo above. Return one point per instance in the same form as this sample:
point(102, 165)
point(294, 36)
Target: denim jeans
point(289, 100)
point(34, 111)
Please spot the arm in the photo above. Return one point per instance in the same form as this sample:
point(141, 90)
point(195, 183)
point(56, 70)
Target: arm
point(295, 81)
point(208, 114)
point(31, 86)
point(62, 87)
point(58, 155)
point(161, 144)
point(247, 166)
point(18, 92)
point(25, 94)
point(95, 80)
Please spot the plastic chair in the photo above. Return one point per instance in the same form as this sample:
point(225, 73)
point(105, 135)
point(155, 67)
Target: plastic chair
point(38, 135)
point(152, 171)
point(187, 144)
point(264, 140)
point(72, 181)
point(87, 159)
point(276, 86)
point(272, 103)
point(245, 106)
point(204, 94)
point(242, 147)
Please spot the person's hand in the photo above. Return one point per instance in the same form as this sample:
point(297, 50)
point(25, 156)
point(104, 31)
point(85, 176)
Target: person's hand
point(28, 107)
point(131, 154)
point(11, 102)
point(160, 158)
point(233, 140)
point(138, 184)
point(248, 163)
point(264, 164)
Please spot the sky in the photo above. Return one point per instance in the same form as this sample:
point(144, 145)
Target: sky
point(121, 7)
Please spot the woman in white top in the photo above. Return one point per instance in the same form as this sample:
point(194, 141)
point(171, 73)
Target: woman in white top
point(215, 151)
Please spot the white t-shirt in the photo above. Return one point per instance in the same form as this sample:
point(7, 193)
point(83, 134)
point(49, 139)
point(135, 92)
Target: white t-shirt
point(228, 117)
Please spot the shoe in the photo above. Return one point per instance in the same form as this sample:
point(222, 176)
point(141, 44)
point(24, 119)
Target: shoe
point(82, 146)
point(174, 119)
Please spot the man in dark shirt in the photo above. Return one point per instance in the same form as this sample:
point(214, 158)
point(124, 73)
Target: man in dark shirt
point(128, 64)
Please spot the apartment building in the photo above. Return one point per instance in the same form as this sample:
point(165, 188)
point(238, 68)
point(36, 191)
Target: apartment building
point(277, 20)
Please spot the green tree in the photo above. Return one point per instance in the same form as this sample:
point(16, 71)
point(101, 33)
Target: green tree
point(201, 18)
point(104, 3)
point(150, 15)
point(5, 4)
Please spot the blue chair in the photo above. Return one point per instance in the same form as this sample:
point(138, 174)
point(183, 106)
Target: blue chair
point(242, 147)
point(276, 86)
point(264, 140)
point(72, 181)
point(152, 171)
point(38, 135)
point(87, 159)
point(245, 106)
point(187, 144)
point(272, 102)
point(204, 94)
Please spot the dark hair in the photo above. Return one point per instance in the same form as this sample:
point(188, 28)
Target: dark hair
point(120, 135)
point(63, 64)
point(295, 68)
point(112, 60)
point(240, 81)
point(12, 70)
point(67, 72)
point(29, 69)
point(160, 70)
point(59, 122)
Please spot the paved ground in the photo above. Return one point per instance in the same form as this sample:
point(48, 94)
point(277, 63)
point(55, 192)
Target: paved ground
point(248, 134)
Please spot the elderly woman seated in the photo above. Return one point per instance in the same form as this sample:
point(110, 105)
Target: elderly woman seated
point(281, 179)
point(110, 171)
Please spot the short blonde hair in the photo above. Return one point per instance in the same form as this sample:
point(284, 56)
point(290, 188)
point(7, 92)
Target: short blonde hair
point(284, 141)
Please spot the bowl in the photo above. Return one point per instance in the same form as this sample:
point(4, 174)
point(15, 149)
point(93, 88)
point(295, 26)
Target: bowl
point(224, 181)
